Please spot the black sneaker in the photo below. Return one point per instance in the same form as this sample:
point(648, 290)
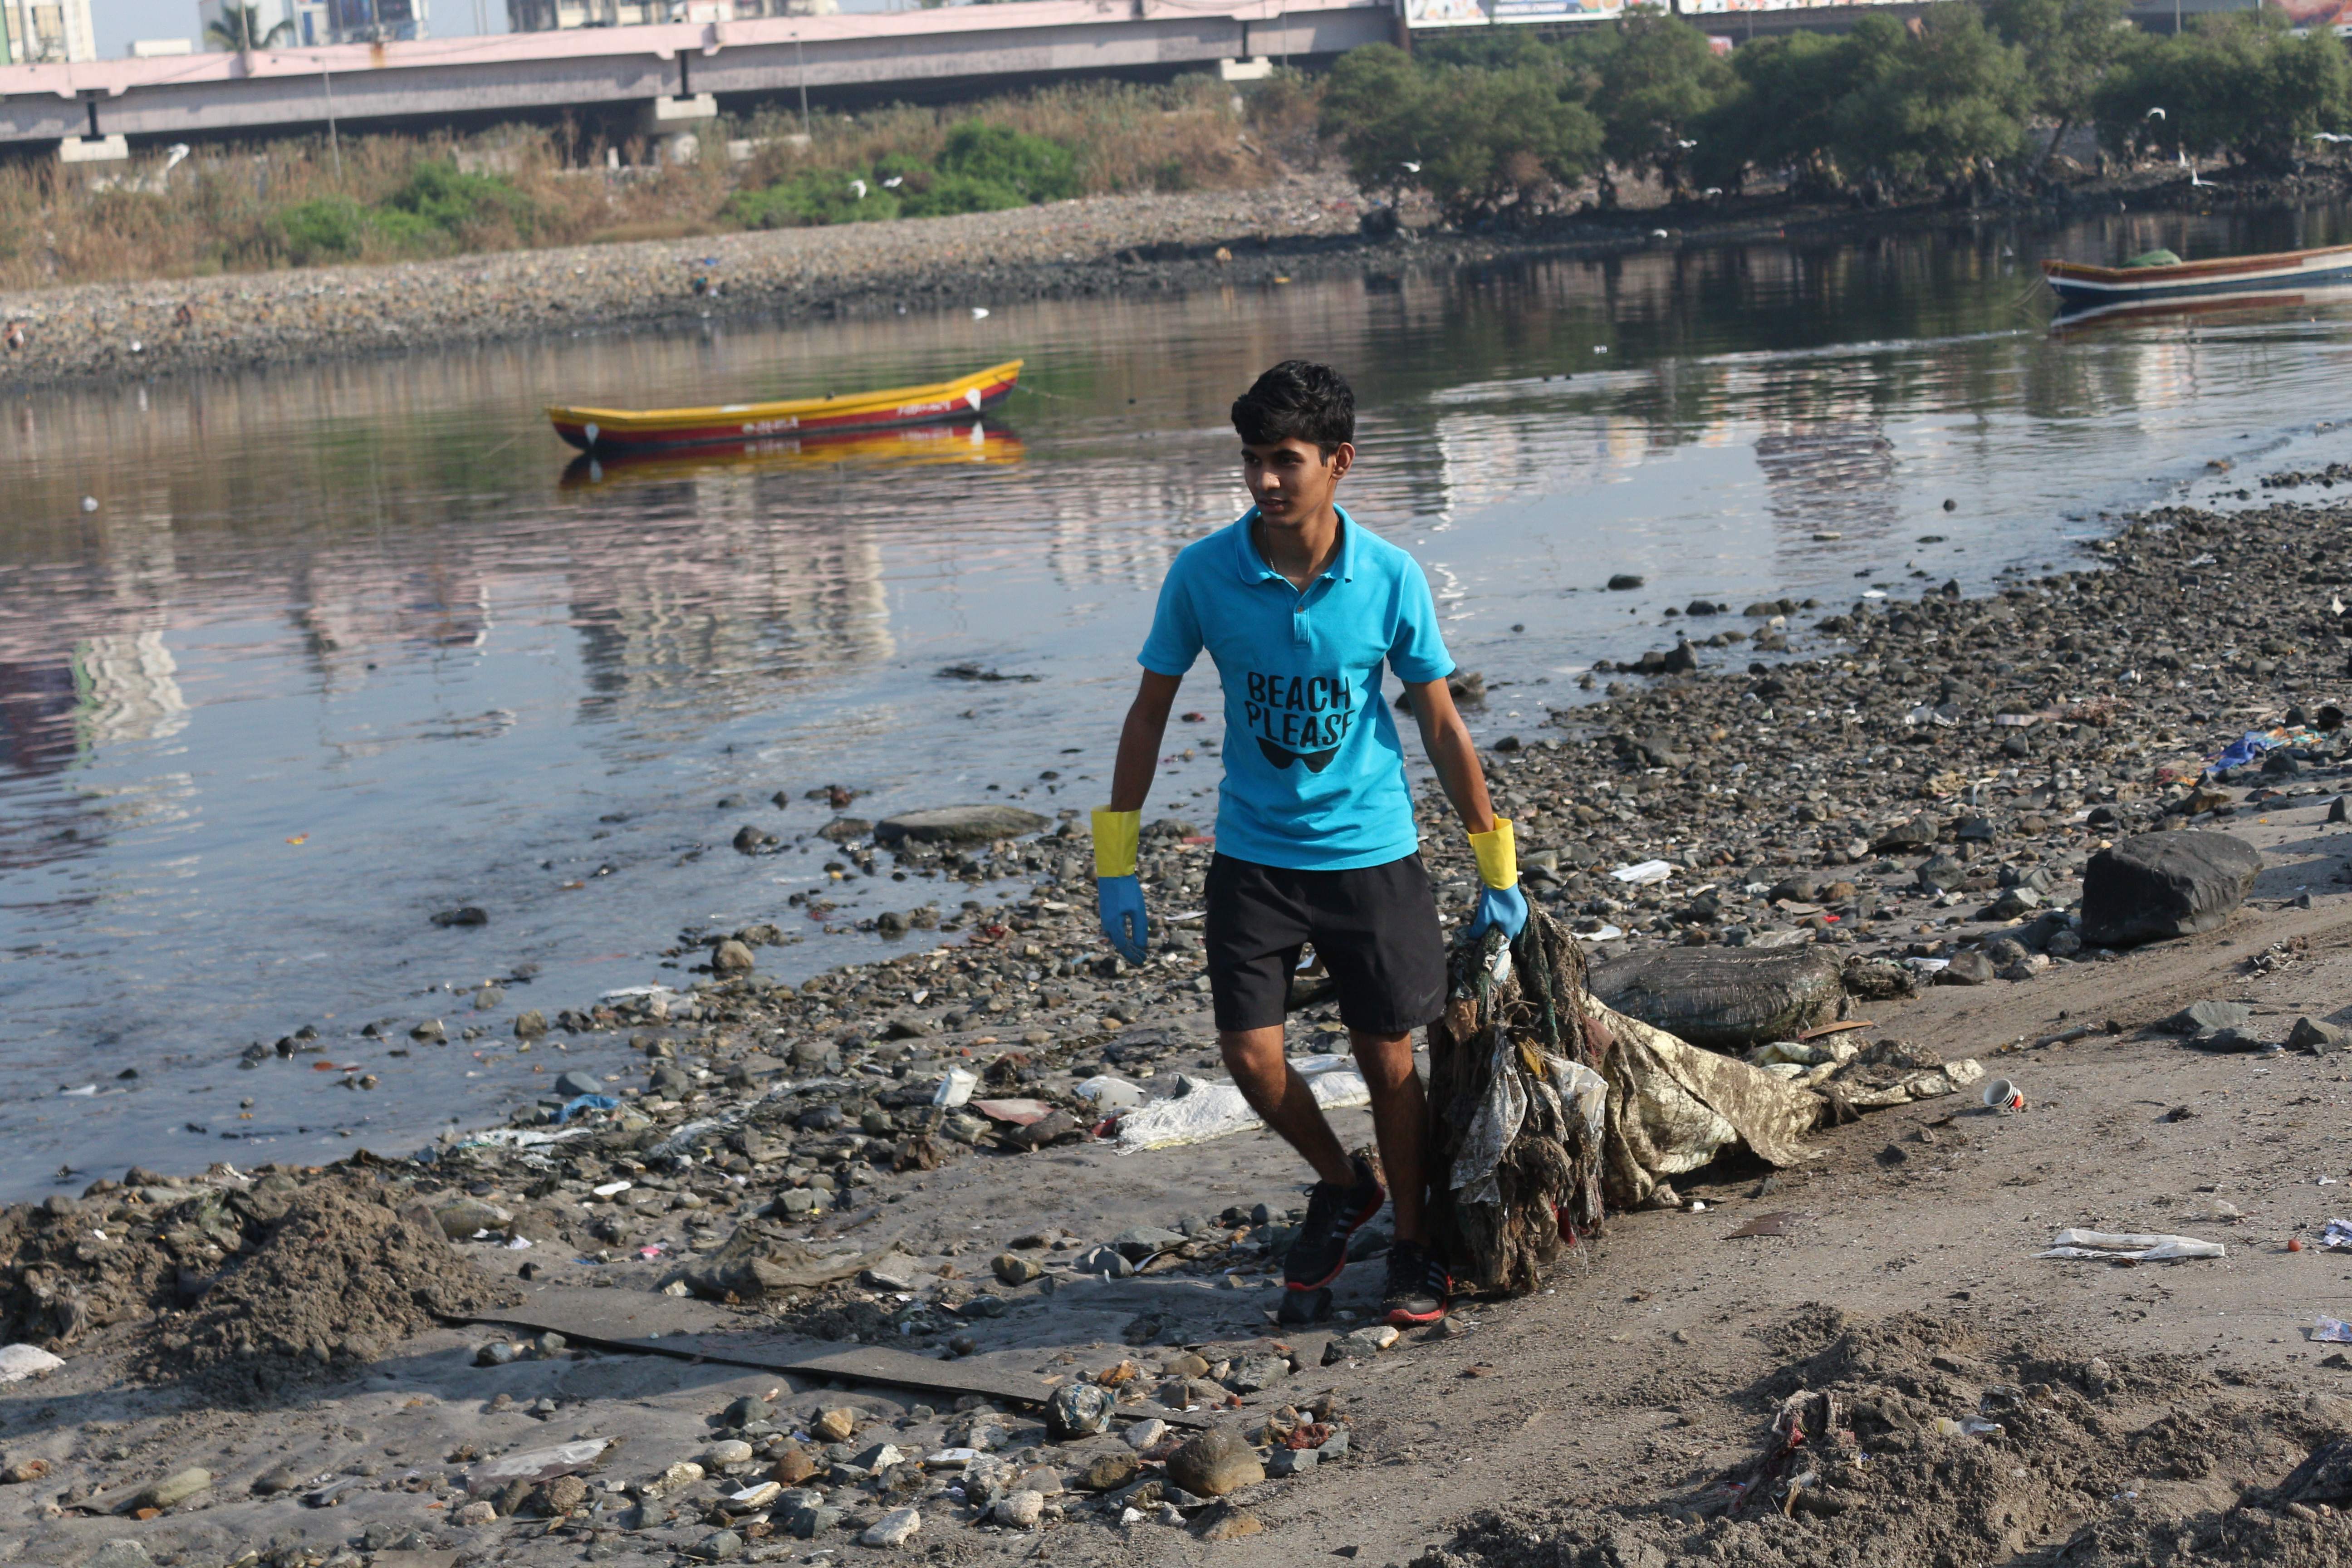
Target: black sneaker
point(1334, 1213)
point(1418, 1288)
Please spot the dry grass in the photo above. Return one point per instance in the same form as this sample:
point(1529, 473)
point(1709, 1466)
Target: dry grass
point(299, 202)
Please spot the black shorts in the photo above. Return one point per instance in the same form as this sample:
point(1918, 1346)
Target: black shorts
point(1375, 928)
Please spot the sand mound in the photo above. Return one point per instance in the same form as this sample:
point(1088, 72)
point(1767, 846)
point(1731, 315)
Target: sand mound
point(335, 1283)
point(2147, 1462)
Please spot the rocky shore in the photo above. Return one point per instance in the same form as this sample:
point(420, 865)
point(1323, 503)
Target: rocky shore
point(618, 1328)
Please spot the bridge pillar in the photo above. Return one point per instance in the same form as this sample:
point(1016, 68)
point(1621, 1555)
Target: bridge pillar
point(668, 123)
point(93, 149)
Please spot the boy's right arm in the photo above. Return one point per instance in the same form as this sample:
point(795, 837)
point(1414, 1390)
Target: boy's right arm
point(1117, 890)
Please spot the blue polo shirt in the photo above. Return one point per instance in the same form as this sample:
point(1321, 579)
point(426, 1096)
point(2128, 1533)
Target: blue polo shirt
point(1314, 771)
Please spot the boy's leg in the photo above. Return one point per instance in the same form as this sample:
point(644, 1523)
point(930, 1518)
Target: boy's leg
point(1276, 1091)
point(1400, 1125)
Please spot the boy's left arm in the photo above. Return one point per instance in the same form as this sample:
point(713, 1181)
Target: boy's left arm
point(1446, 740)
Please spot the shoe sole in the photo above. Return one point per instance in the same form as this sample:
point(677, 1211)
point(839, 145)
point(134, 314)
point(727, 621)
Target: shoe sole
point(1405, 1318)
point(1345, 1236)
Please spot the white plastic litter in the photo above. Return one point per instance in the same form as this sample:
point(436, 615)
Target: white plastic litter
point(1642, 873)
point(1203, 1109)
point(2338, 1234)
point(1606, 932)
point(2333, 1331)
point(610, 1189)
point(2136, 1248)
point(18, 1362)
point(957, 1086)
point(1110, 1093)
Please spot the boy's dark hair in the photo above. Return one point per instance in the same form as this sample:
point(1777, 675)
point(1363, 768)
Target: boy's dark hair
point(1297, 399)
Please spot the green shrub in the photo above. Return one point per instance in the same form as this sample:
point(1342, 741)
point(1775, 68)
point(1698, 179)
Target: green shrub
point(1029, 166)
point(813, 196)
point(439, 196)
point(325, 229)
point(944, 194)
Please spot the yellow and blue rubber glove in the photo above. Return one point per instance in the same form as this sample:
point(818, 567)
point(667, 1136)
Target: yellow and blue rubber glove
point(1117, 890)
point(1500, 903)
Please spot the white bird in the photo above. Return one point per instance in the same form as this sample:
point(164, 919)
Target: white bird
point(2154, 114)
point(859, 186)
point(1657, 233)
point(894, 181)
point(1685, 144)
point(979, 313)
point(1712, 191)
point(1410, 167)
point(174, 154)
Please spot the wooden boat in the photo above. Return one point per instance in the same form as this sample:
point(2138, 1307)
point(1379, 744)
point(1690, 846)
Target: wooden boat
point(2080, 285)
point(606, 431)
point(967, 441)
point(2199, 307)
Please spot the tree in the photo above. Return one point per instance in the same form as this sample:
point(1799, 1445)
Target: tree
point(1474, 139)
point(2240, 84)
point(239, 27)
point(1932, 104)
point(2069, 46)
point(1658, 83)
point(1780, 112)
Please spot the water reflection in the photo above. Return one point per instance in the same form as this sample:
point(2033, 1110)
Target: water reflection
point(341, 646)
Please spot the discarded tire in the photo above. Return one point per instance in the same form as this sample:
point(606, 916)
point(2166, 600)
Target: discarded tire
point(2160, 885)
point(1726, 999)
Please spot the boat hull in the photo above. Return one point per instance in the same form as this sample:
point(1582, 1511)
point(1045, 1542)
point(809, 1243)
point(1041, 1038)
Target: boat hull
point(2080, 287)
point(613, 431)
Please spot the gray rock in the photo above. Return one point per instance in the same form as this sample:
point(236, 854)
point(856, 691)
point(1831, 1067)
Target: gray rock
point(1939, 873)
point(118, 1554)
point(2242, 1041)
point(1144, 1241)
point(809, 1519)
point(529, 1024)
point(2205, 1017)
point(2159, 885)
point(730, 957)
point(1108, 1260)
point(1912, 837)
point(2318, 1038)
point(959, 825)
point(1257, 1372)
point(719, 1546)
point(178, 1487)
point(575, 1083)
point(1290, 1461)
point(1967, 968)
point(488, 998)
point(896, 1527)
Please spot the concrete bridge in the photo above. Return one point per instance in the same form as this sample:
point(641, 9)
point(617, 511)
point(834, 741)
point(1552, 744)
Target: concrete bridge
point(666, 77)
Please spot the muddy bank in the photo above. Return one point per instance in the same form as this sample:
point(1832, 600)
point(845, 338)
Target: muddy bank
point(1920, 778)
point(1307, 225)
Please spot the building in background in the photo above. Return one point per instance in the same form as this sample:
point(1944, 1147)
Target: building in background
point(46, 31)
point(160, 49)
point(550, 15)
point(312, 22)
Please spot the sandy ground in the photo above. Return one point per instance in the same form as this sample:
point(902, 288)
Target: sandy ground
point(1643, 1369)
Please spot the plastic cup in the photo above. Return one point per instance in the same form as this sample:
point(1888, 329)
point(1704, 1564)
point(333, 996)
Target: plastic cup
point(2002, 1095)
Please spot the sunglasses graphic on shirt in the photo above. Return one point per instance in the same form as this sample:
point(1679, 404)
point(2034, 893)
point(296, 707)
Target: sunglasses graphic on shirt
point(1316, 761)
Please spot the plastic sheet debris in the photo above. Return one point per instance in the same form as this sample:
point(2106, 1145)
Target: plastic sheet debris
point(2131, 1248)
point(1013, 1112)
point(1765, 1225)
point(1605, 932)
point(1110, 1093)
point(2338, 1234)
point(587, 1102)
point(1967, 1427)
point(1644, 873)
point(18, 1362)
point(2333, 1331)
point(1202, 1110)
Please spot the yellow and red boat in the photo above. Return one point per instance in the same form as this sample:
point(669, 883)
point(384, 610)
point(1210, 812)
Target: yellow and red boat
point(607, 431)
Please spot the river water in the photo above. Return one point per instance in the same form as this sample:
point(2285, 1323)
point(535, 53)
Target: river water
point(329, 650)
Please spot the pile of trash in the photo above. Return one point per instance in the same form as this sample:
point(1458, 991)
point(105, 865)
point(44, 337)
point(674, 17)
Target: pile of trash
point(1545, 1104)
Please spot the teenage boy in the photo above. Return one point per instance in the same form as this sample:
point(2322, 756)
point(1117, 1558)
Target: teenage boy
point(1302, 609)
